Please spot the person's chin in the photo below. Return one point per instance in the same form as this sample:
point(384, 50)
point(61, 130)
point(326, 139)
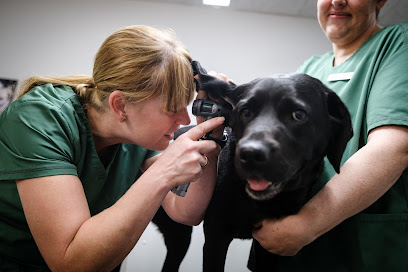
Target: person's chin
point(162, 145)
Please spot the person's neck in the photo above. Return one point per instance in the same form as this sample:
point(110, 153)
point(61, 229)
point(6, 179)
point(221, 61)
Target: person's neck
point(343, 51)
point(100, 129)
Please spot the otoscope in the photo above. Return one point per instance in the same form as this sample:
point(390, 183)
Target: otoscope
point(208, 109)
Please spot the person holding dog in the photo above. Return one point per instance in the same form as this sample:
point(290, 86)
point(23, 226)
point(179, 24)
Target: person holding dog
point(356, 220)
point(72, 148)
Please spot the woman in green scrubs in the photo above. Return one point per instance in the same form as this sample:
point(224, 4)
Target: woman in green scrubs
point(356, 220)
point(72, 148)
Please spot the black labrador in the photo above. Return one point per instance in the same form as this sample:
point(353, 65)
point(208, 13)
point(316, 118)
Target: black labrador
point(280, 129)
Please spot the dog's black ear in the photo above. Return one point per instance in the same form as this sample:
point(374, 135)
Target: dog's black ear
point(218, 90)
point(197, 68)
point(341, 129)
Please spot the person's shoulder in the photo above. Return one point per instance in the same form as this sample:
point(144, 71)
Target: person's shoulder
point(60, 99)
point(401, 27)
point(45, 106)
point(49, 93)
point(397, 31)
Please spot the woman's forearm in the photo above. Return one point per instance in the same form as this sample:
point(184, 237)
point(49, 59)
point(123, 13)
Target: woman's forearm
point(69, 238)
point(191, 208)
point(363, 179)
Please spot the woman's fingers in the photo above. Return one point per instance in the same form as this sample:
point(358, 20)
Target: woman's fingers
point(201, 129)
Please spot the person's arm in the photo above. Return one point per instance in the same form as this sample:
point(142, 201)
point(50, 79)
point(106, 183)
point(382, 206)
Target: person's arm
point(191, 208)
point(363, 179)
point(70, 239)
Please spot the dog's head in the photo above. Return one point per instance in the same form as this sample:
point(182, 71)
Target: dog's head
point(283, 125)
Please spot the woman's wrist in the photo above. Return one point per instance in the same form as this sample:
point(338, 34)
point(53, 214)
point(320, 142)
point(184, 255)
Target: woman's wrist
point(315, 219)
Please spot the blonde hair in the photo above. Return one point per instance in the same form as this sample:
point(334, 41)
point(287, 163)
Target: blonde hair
point(141, 61)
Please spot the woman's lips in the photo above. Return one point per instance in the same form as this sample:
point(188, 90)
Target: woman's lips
point(339, 15)
point(170, 136)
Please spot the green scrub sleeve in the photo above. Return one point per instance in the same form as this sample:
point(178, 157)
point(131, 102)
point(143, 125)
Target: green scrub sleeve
point(38, 141)
point(388, 99)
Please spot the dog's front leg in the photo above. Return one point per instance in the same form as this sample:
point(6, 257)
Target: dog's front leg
point(215, 253)
point(217, 241)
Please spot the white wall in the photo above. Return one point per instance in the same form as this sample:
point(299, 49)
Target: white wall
point(61, 38)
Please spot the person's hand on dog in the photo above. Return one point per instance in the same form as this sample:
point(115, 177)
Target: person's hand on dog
point(203, 94)
point(285, 236)
point(184, 161)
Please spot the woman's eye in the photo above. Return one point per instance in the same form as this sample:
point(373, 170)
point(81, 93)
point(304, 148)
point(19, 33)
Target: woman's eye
point(299, 115)
point(245, 113)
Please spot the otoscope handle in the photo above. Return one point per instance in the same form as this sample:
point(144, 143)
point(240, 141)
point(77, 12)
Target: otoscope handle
point(181, 190)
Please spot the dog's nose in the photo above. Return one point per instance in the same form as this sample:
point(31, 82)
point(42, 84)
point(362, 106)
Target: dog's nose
point(253, 152)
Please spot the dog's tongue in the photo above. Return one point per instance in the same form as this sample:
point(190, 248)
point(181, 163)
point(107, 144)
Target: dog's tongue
point(258, 184)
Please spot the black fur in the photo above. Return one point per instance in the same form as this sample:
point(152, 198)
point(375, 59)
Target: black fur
point(177, 239)
point(281, 128)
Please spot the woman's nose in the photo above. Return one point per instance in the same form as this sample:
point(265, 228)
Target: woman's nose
point(183, 117)
point(339, 3)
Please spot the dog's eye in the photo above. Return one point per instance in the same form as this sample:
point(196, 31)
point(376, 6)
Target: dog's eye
point(245, 113)
point(299, 115)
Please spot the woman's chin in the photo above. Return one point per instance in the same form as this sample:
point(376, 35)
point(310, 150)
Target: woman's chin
point(160, 146)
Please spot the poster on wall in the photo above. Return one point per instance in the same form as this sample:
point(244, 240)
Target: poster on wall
point(7, 92)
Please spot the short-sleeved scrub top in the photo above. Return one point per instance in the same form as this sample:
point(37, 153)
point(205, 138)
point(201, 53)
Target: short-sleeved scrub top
point(373, 83)
point(46, 133)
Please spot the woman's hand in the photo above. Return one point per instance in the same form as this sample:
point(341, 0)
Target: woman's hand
point(184, 161)
point(189, 160)
point(284, 236)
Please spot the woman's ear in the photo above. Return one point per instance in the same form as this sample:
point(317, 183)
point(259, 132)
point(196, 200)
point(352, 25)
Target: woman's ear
point(117, 104)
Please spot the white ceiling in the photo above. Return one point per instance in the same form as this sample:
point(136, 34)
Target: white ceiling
point(395, 11)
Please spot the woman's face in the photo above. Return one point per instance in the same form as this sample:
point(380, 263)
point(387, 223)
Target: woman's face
point(345, 21)
point(151, 127)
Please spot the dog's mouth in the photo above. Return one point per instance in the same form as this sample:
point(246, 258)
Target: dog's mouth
point(258, 184)
point(262, 189)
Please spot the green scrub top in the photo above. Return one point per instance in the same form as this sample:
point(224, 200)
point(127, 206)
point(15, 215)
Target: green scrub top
point(373, 83)
point(46, 133)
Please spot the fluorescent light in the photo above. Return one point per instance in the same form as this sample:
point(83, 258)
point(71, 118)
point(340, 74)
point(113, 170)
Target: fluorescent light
point(223, 3)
